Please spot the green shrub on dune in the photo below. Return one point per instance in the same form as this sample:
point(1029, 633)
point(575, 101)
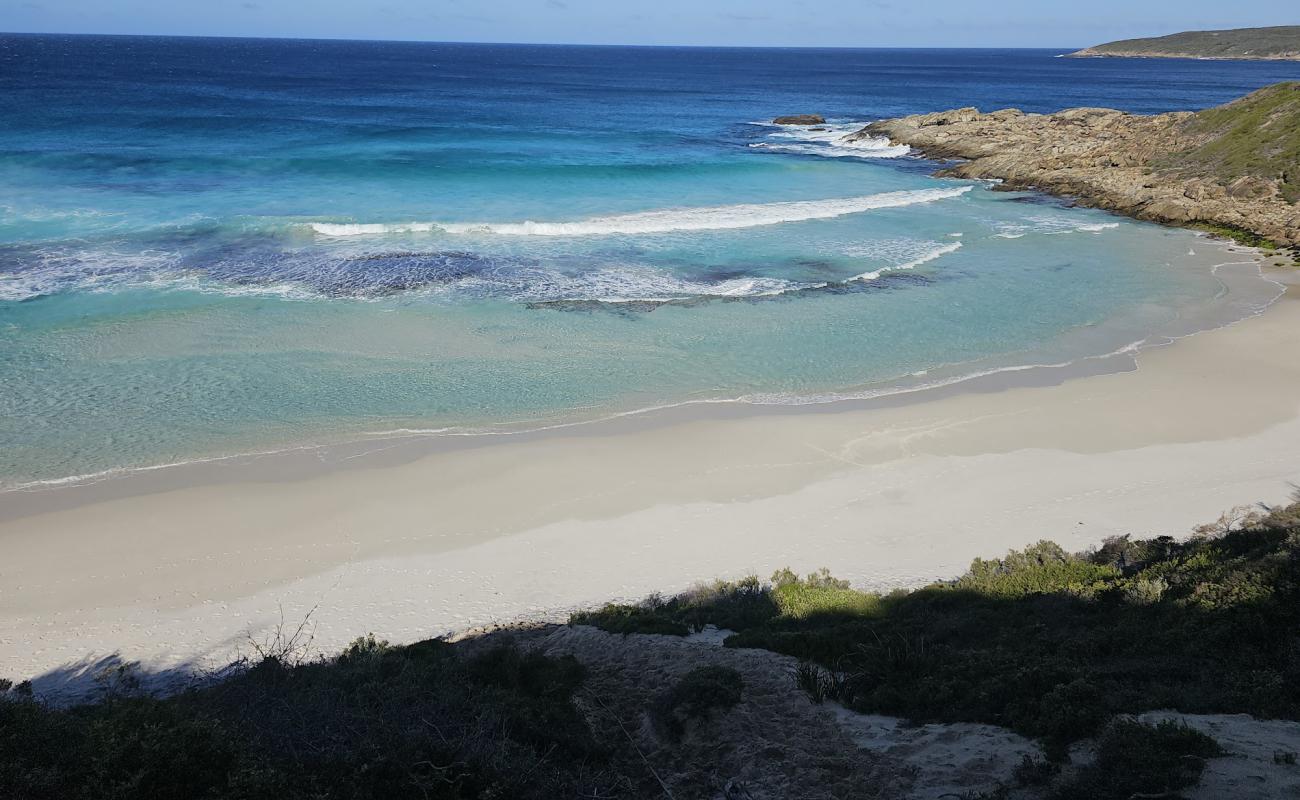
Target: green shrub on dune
point(1136, 760)
point(375, 722)
point(1050, 643)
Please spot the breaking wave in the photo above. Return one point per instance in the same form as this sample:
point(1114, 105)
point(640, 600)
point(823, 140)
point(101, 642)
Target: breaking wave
point(749, 215)
point(829, 140)
point(1050, 226)
point(938, 252)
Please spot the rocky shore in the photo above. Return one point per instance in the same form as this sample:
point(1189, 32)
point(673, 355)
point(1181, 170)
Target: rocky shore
point(1233, 168)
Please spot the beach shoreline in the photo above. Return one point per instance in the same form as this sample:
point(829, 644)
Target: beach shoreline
point(411, 543)
point(1252, 291)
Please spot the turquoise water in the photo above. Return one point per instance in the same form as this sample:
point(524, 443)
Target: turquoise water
point(210, 247)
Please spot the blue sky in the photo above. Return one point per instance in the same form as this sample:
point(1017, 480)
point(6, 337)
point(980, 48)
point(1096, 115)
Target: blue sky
point(860, 23)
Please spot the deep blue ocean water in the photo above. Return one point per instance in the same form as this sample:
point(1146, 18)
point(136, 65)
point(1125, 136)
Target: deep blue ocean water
point(214, 246)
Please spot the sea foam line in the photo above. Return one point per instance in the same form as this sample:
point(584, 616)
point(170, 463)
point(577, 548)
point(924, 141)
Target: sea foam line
point(748, 215)
point(938, 252)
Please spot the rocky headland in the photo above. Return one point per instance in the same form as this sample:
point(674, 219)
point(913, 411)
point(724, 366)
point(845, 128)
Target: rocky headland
point(1234, 168)
point(1278, 43)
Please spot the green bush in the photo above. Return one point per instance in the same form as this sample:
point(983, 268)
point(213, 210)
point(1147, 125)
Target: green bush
point(1135, 760)
point(802, 600)
point(700, 692)
point(625, 619)
point(376, 722)
point(1054, 644)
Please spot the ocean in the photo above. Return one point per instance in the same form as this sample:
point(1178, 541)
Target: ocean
point(211, 247)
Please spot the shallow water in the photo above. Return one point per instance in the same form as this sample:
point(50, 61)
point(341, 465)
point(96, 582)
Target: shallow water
point(219, 246)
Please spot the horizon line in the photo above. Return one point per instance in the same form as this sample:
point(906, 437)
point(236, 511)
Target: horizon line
point(528, 44)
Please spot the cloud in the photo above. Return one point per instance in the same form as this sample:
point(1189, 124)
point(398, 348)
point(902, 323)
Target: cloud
point(250, 6)
point(745, 18)
point(557, 4)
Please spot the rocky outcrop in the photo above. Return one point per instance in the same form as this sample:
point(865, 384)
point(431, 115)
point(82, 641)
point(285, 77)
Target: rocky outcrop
point(800, 119)
point(1105, 158)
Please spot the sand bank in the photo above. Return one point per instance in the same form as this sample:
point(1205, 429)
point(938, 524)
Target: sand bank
point(886, 494)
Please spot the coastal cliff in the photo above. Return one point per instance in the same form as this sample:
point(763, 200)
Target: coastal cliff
point(1234, 167)
point(1279, 43)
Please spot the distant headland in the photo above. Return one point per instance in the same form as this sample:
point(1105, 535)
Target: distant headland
point(1281, 43)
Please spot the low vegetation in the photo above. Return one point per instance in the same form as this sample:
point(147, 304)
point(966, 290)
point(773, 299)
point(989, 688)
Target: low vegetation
point(1239, 235)
point(1137, 760)
point(699, 693)
point(1257, 135)
point(1059, 646)
point(1049, 643)
point(375, 722)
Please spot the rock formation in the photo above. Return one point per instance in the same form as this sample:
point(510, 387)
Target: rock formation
point(1230, 167)
point(801, 119)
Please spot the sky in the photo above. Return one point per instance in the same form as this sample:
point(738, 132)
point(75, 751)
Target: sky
point(784, 23)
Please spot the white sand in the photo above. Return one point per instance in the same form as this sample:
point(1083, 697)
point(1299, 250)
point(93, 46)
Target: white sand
point(527, 527)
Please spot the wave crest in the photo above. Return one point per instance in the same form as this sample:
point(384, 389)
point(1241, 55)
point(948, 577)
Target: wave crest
point(671, 220)
point(830, 141)
point(938, 252)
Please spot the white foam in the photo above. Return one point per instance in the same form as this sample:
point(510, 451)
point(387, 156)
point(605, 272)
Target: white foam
point(621, 284)
point(830, 140)
point(1098, 228)
point(938, 252)
point(748, 215)
point(1051, 226)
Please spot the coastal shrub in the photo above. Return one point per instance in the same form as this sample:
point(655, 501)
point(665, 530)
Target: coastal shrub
point(738, 605)
point(700, 692)
point(617, 618)
point(364, 647)
point(1054, 644)
point(818, 683)
point(377, 722)
point(1043, 568)
point(820, 595)
point(1138, 760)
point(731, 605)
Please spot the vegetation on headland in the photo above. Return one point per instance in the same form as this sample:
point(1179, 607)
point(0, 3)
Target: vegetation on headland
point(1056, 645)
point(1257, 135)
point(1280, 42)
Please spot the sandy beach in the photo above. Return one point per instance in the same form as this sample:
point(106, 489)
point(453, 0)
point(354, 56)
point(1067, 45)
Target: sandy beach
point(177, 569)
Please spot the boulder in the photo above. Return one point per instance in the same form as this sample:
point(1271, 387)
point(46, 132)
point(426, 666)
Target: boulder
point(801, 119)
